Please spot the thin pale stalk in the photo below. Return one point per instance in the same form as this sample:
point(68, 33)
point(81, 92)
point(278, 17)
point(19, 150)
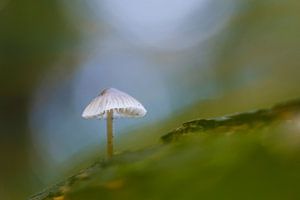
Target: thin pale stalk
point(109, 129)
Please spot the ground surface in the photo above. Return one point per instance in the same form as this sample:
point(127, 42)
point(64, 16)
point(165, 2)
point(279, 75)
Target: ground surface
point(254, 155)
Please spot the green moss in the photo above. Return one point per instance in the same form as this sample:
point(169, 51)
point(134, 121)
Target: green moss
point(252, 155)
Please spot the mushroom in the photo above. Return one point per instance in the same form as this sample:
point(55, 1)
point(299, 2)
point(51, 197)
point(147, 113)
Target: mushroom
point(110, 104)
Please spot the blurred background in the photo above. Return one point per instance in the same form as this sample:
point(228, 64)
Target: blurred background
point(181, 59)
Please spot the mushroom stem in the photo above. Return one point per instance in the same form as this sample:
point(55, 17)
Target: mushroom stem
point(109, 127)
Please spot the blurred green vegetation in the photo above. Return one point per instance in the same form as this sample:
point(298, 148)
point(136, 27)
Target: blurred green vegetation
point(252, 155)
point(34, 35)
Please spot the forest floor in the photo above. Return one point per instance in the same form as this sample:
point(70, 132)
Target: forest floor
point(252, 155)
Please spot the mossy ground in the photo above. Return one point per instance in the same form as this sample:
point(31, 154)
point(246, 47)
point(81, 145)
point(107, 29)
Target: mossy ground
point(252, 155)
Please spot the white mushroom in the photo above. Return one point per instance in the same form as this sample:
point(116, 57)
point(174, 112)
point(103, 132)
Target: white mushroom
point(109, 104)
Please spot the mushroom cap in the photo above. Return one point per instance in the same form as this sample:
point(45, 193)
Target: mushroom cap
point(122, 104)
